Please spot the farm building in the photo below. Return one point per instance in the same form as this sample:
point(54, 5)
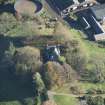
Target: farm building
point(95, 19)
point(98, 12)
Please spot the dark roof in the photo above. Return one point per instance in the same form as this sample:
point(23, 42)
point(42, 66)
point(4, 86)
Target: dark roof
point(98, 11)
point(62, 4)
point(84, 22)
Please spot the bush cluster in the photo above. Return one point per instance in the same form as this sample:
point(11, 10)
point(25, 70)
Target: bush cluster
point(98, 100)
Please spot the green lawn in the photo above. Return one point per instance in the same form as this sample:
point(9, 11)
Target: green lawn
point(66, 100)
point(90, 46)
point(86, 85)
point(91, 49)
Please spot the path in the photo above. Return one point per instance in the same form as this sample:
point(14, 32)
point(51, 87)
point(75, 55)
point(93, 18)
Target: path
point(73, 95)
point(51, 94)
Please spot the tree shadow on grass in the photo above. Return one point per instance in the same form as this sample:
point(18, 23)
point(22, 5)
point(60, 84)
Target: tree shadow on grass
point(5, 42)
point(73, 23)
point(10, 87)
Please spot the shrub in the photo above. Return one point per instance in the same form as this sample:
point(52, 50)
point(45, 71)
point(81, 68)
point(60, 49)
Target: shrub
point(39, 87)
point(55, 74)
point(95, 100)
point(61, 59)
point(27, 61)
point(7, 23)
point(97, 72)
point(91, 91)
point(96, 91)
point(76, 90)
point(75, 56)
point(51, 74)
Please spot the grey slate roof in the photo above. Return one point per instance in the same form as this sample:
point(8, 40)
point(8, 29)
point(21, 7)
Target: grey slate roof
point(98, 11)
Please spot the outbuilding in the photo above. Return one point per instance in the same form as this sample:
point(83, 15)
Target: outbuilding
point(98, 12)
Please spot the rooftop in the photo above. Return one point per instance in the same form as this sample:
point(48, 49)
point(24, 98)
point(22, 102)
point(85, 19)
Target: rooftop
point(98, 11)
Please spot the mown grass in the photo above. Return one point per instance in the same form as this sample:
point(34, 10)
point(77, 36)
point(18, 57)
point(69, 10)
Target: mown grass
point(63, 89)
point(66, 100)
point(86, 85)
point(90, 46)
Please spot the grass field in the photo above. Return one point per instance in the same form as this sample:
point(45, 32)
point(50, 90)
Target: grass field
point(66, 100)
point(87, 85)
point(91, 48)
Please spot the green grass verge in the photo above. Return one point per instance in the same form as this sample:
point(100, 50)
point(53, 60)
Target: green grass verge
point(66, 100)
point(86, 85)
